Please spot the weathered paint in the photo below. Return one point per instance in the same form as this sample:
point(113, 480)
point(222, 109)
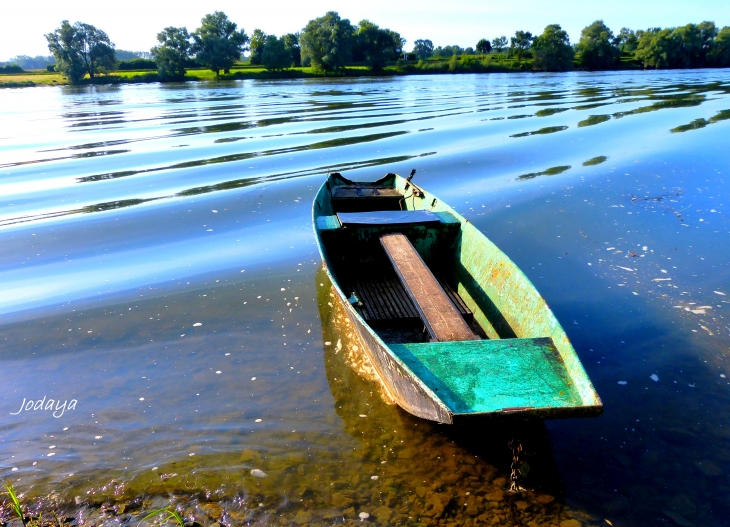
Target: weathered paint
point(505, 304)
point(484, 376)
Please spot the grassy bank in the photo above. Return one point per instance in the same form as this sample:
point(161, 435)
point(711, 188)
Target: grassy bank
point(454, 65)
point(245, 71)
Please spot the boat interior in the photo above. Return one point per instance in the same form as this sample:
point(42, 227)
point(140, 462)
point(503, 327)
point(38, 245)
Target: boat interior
point(401, 258)
point(362, 215)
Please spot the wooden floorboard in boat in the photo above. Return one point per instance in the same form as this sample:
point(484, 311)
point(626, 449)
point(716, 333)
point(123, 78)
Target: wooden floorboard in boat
point(442, 319)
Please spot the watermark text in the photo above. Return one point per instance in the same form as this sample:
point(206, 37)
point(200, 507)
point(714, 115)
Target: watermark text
point(55, 406)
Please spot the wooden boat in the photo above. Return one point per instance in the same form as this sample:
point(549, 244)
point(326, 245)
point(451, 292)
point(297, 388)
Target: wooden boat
point(451, 325)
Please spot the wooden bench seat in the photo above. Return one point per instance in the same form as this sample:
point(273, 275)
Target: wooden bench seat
point(388, 217)
point(442, 319)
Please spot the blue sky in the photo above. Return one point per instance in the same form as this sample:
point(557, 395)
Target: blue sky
point(133, 24)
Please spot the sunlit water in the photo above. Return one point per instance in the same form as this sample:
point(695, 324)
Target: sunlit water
point(159, 275)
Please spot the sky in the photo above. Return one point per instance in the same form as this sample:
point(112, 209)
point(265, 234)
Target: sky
point(133, 24)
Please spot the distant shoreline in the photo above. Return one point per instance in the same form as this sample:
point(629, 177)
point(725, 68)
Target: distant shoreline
point(36, 78)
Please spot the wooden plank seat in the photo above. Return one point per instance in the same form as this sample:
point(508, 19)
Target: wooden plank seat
point(388, 217)
point(443, 321)
point(385, 218)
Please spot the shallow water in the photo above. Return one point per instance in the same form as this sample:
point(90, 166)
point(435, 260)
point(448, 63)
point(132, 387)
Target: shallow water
point(158, 267)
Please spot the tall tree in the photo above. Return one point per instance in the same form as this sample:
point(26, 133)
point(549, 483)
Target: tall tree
point(423, 49)
point(258, 41)
point(720, 53)
point(80, 49)
point(596, 47)
point(327, 41)
point(695, 43)
point(626, 40)
point(275, 55)
point(375, 46)
point(484, 46)
point(552, 50)
point(217, 43)
point(172, 54)
point(291, 41)
point(657, 48)
point(499, 43)
point(520, 43)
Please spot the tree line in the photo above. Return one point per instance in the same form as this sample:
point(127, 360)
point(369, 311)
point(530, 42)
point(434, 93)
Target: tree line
point(326, 44)
point(329, 43)
point(690, 46)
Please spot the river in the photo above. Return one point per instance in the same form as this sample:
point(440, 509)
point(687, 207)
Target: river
point(161, 285)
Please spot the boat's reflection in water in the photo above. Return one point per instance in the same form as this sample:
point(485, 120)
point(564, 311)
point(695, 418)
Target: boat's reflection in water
point(426, 472)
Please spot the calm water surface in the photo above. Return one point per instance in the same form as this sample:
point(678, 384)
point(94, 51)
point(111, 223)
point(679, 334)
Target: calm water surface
point(159, 275)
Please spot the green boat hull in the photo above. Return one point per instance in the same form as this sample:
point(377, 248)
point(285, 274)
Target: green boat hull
point(525, 364)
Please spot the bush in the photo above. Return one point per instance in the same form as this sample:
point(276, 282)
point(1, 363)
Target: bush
point(432, 65)
point(137, 64)
point(470, 63)
point(453, 63)
point(51, 68)
point(11, 68)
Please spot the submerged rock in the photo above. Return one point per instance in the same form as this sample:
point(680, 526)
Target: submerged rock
point(383, 513)
point(258, 473)
point(436, 504)
point(302, 517)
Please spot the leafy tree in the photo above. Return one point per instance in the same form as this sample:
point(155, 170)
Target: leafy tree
point(456, 49)
point(657, 48)
point(327, 42)
point(499, 43)
point(81, 49)
point(695, 42)
point(469, 51)
point(448, 51)
point(375, 46)
point(423, 49)
point(400, 42)
point(275, 55)
point(291, 41)
point(484, 46)
point(626, 40)
point(720, 53)
point(552, 50)
point(596, 47)
point(520, 43)
point(217, 44)
point(258, 41)
point(172, 54)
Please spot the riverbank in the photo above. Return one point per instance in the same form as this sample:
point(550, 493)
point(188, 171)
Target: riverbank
point(464, 64)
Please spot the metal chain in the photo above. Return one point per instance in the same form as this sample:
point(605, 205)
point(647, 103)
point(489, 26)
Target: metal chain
point(516, 448)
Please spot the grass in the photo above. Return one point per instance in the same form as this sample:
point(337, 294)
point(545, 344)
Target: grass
point(29, 78)
point(38, 521)
point(15, 502)
point(169, 512)
point(473, 64)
